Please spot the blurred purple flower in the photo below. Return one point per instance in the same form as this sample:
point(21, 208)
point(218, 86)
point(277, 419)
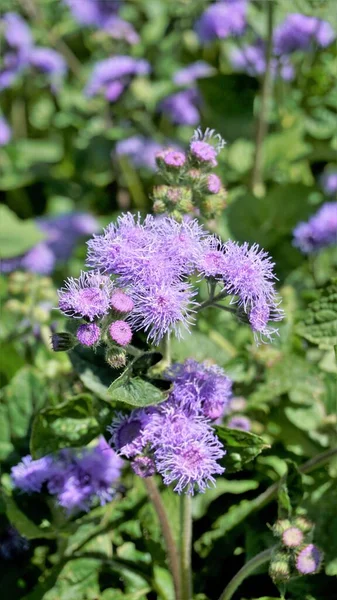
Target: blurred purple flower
point(222, 20)
point(319, 231)
point(188, 75)
point(239, 422)
point(182, 107)
point(5, 132)
point(112, 75)
point(329, 183)
point(48, 61)
point(17, 31)
point(251, 59)
point(119, 29)
point(93, 12)
point(140, 150)
point(300, 32)
point(30, 475)
point(39, 259)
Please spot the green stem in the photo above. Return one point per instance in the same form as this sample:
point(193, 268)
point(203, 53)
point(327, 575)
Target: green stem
point(212, 300)
point(172, 551)
point(185, 546)
point(245, 572)
point(262, 122)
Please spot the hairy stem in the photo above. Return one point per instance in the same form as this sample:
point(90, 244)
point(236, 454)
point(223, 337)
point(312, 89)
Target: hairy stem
point(262, 121)
point(246, 570)
point(185, 546)
point(211, 301)
point(172, 551)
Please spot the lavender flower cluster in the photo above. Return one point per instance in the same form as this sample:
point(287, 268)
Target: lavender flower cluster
point(176, 439)
point(320, 231)
point(20, 54)
point(76, 478)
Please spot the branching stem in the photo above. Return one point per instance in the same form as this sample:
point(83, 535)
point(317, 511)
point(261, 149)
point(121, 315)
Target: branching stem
point(246, 570)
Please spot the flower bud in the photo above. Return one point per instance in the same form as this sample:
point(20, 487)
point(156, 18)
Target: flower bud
point(88, 334)
point(116, 358)
point(292, 537)
point(159, 207)
point(121, 332)
point(279, 568)
point(62, 342)
point(281, 526)
point(303, 524)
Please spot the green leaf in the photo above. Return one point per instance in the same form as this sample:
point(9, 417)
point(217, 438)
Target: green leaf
point(241, 447)
point(319, 325)
point(24, 396)
point(290, 492)
point(32, 152)
point(17, 236)
point(95, 374)
point(72, 423)
point(24, 525)
point(136, 392)
point(201, 502)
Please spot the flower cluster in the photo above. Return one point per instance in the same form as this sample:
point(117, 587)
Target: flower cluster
point(222, 20)
point(112, 76)
point(62, 233)
point(199, 190)
point(21, 53)
point(141, 151)
point(300, 32)
point(75, 477)
point(251, 59)
point(176, 438)
point(320, 231)
point(295, 555)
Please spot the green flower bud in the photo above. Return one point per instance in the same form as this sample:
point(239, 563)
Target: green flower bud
point(303, 524)
point(116, 358)
point(279, 568)
point(63, 341)
point(281, 526)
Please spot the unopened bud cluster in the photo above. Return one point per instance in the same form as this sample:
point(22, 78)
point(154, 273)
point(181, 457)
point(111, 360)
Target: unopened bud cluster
point(296, 555)
point(192, 187)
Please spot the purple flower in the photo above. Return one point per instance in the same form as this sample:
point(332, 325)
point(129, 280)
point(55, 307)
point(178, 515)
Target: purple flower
point(211, 261)
point(64, 231)
point(39, 259)
point(30, 475)
point(309, 560)
point(127, 432)
point(5, 132)
point(182, 107)
point(222, 20)
point(186, 454)
point(48, 61)
point(192, 72)
point(213, 184)
point(173, 158)
point(329, 183)
point(239, 422)
point(86, 297)
point(319, 231)
point(251, 59)
point(121, 302)
point(119, 29)
point(88, 334)
point(202, 150)
point(17, 32)
point(141, 151)
point(143, 466)
point(292, 537)
point(248, 274)
point(93, 12)
point(112, 75)
point(300, 32)
point(121, 332)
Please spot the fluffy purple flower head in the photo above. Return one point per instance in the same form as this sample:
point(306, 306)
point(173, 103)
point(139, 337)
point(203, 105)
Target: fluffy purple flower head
point(329, 183)
point(320, 231)
point(300, 32)
point(140, 150)
point(211, 261)
point(17, 32)
point(174, 158)
point(127, 432)
point(121, 302)
point(222, 20)
point(88, 334)
point(121, 332)
point(309, 560)
point(239, 422)
point(203, 151)
point(292, 537)
point(181, 108)
point(40, 259)
point(112, 75)
point(213, 184)
point(93, 12)
point(187, 453)
point(248, 274)
point(30, 475)
point(161, 308)
point(197, 70)
point(143, 466)
point(5, 132)
point(87, 297)
point(199, 389)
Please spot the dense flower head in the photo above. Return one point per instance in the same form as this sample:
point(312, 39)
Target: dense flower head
point(182, 108)
point(222, 20)
point(329, 183)
point(239, 422)
point(87, 296)
point(140, 150)
point(121, 302)
point(127, 432)
point(76, 477)
point(319, 231)
point(301, 32)
point(88, 334)
point(292, 537)
point(197, 70)
point(5, 132)
point(121, 332)
point(213, 184)
point(309, 559)
point(111, 76)
point(174, 158)
point(143, 466)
